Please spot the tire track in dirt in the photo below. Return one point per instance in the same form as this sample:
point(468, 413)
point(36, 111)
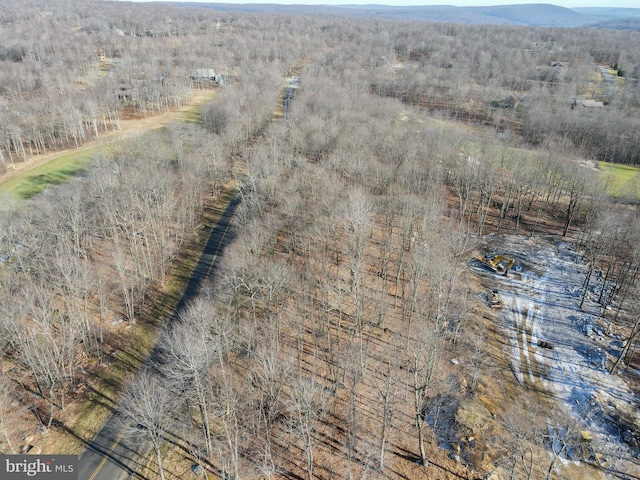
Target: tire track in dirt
point(542, 305)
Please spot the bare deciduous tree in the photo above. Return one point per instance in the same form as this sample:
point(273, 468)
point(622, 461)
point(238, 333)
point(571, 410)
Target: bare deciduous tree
point(189, 351)
point(525, 429)
point(423, 355)
point(306, 406)
point(270, 375)
point(6, 399)
point(146, 410)
point(387, 389)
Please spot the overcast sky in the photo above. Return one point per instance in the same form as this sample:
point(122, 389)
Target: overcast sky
point(459, 3)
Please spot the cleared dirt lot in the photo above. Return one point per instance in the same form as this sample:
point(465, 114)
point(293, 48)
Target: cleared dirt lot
point(544, 344)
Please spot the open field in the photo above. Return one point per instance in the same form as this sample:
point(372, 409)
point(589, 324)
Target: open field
point(622, 181)
point(57, 169)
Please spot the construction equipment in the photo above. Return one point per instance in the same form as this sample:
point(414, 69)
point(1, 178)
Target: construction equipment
point(499, 264)
point(544, 344)
point(494, 300)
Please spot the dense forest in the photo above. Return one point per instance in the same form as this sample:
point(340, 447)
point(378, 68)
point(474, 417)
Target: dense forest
point(66, 73)
point(343, 314)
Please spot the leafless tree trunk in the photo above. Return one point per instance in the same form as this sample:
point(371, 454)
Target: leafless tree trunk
point(631, 338)
point(306, 406)
point(423, 355)
point(145, 412)
point(227, 405)
point(270, 376)
point(386, 390)
point(190, 350)
point(525, 428)
point(5, 403)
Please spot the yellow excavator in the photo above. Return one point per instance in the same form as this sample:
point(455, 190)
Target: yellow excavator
point(499, 264)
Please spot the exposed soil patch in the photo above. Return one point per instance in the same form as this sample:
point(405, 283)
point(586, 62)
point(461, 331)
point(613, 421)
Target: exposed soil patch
point(561, 353)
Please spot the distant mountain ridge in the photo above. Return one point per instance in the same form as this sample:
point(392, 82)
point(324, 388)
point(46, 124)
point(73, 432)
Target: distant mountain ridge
point(614, 18)
point(547, 15)
point(534, 14)
point(610, 13)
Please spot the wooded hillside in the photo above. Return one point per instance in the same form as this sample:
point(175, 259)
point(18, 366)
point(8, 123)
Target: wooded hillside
point(344, 312)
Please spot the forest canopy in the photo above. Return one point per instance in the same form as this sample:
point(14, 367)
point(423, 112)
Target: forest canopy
point(363, 168)
point(70, 71)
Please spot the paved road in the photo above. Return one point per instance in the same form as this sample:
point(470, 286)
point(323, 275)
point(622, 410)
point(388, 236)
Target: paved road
point(110, 456)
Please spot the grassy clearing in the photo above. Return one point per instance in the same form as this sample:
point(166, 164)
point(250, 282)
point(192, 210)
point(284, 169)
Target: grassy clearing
point(621, 181)
point(49, 174)
point(193, 114)
point(61, 168)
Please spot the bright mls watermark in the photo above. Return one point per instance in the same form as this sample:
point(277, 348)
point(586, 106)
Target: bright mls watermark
point(51, 467)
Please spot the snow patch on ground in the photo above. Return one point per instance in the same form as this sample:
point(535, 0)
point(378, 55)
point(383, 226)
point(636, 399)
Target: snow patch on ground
point(541, 304)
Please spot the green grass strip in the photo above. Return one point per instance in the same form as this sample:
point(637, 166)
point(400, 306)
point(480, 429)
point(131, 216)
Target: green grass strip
point(621, 181)
point(52, 173)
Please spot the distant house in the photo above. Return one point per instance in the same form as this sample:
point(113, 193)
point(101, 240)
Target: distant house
point(586, 103)
point(509, 102)
point(202, 75)
point(100, 54)
point(205, 73)
point(125, 92)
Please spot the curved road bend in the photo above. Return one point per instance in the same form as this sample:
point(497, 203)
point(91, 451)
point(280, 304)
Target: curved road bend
point(110, 456)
